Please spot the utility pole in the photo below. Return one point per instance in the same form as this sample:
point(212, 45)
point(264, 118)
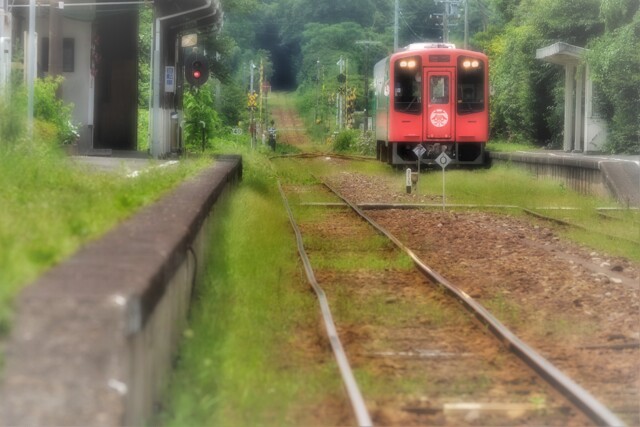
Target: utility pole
point(395, 26)
point(252, 126)
point(449, 7)
point(5, 46)
point(445, 23)
point(31, 63)
point(341, 92)
point(55, 40)
point(317, 88)
point(366, 44)
point(466, 24)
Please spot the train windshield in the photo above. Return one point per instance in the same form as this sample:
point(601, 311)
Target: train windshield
point(407, 92)
point(470, 97)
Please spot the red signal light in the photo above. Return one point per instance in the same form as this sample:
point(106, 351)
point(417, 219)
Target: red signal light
point(196, 70)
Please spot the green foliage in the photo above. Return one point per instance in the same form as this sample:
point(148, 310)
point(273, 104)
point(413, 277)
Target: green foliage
point(199, 116)
point(12, 120)
point(48, 107)
point(345, 141)
point(514, 74)
point(615, 60)
point(617, 13)
point(527, 101)
point(143, 130)
point(316, 108)
point(327, 43)
point(574, 22)
point(145, 25)
point(51, 206)
point(353, 141)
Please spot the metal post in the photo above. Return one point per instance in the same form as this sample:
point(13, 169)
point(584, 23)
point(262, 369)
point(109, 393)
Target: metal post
point(55, 40)
point(366, 44)
point(443, 193)
point(253, 118)
point(31, 62)
point(395, 26)
point(445, 23)
point(466, 24)
point(317, 86)
point(251, 68)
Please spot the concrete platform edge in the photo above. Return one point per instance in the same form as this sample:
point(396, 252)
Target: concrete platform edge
point(93, 339)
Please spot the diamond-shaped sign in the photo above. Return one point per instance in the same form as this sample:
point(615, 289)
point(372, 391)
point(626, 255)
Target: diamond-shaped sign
point(443, 160)
point(419, 150)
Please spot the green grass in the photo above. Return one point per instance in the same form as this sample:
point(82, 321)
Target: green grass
point(244, 361)
point(508, 147)
point(51, 207)
point(507, 185)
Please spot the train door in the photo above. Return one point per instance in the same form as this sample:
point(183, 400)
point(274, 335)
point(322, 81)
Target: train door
point(440, 116)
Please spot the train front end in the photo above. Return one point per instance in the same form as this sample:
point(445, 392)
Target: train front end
point(437, 96)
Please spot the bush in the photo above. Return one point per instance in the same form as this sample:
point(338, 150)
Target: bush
point(614, 60)
point(345, 141)
point(353, 141)
point(198, 110)
point(12, 121)
point(49, 108)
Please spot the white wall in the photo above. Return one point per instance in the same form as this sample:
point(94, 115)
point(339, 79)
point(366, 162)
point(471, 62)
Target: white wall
point(75, 88)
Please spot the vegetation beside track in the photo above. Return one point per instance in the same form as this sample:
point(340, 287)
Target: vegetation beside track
point(245, 358)
point(243, 361)
point(51, 206)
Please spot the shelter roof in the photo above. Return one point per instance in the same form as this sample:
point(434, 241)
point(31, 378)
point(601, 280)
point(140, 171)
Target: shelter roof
point(561, 53)
point(206, 13)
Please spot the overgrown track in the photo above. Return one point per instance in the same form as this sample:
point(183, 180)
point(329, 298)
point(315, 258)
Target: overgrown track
point(590, 406)
point(405, 411)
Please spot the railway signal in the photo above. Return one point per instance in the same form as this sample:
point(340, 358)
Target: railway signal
point(196, 70)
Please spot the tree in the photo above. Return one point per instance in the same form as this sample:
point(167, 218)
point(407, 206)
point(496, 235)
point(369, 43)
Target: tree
point(615, 60)
point(527, 99)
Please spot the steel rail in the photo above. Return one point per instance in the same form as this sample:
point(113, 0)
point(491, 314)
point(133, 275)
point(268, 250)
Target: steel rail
point(355, 396)
point(414, 206)
point(581, 398)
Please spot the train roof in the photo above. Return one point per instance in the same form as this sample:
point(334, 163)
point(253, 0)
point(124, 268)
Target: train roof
point(434, 47)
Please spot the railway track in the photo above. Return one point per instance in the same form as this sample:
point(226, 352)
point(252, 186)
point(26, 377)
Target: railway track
point(498, 391)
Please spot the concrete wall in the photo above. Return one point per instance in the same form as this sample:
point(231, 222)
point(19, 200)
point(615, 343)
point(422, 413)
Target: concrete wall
point(582, 174)
point(93, 339)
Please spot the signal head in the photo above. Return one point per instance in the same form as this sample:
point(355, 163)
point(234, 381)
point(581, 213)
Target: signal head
point(196, 70)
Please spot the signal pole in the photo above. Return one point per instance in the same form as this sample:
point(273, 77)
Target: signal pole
point(449, 7)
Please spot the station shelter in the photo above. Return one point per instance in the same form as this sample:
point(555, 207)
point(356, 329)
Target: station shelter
point(584, 130)
point(94, 45)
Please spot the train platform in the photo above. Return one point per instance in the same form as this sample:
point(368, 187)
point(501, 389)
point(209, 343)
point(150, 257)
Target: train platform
point(615, 175)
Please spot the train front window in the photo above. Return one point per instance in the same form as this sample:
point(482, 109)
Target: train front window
point(407, 92)
point(439, 90)
point(471, 85)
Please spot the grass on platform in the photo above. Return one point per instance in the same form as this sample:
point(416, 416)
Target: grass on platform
point(50, 207)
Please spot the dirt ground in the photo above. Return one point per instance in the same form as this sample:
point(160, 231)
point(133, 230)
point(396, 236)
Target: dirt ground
point(580, 309)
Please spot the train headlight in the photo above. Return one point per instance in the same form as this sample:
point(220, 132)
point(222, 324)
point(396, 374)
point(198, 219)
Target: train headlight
point(411, 63)
point(466, 63)
point(403, 64)
point(475, 63)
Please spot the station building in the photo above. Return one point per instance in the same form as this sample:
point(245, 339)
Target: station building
point(94, 45)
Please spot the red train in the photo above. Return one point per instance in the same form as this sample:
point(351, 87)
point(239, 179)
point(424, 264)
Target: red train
point(435, 95)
